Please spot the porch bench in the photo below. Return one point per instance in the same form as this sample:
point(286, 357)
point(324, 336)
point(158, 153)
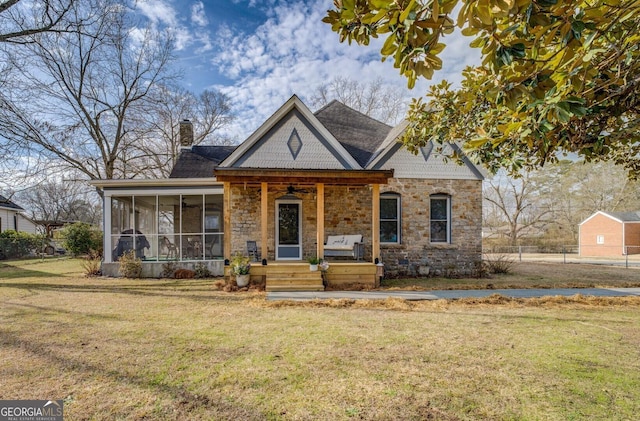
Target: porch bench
point(344, 246)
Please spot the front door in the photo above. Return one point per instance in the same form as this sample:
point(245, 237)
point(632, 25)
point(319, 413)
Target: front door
point(288, 230)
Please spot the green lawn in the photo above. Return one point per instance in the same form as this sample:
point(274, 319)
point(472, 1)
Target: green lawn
point(177, 349)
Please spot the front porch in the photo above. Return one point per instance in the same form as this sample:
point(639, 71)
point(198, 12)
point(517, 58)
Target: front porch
point(296, 276)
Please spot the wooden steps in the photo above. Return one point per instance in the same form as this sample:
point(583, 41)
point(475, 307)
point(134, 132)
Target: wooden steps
point(296, 276)
point(293, 278)
point(351, 274)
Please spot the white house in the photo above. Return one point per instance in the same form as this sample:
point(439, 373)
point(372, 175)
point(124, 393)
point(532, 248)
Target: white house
point(12, 218)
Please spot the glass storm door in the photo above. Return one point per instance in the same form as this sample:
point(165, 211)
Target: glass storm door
point(288, 230)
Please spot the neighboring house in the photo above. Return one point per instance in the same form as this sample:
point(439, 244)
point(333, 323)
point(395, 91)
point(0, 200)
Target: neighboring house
point(11, 217)
point(298, 179)
point(610, 234)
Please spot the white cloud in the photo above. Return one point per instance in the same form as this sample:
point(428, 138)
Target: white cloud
point(163, 16)
point(293, 52)
point(158, 11)
point(198, 16)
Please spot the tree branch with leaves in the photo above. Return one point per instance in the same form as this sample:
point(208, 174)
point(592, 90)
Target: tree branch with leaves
point(556, 76)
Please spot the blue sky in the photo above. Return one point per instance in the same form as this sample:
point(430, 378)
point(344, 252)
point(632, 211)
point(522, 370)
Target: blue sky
point(260, 52)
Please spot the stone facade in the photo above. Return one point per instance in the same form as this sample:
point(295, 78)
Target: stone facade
point(348, 211)
point(245, 217)
point(416, 254)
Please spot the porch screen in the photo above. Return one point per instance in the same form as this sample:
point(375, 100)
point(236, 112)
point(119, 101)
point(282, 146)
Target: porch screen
point(167, 227)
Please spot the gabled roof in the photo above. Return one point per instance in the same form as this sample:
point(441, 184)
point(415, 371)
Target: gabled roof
point(199, 161)
point(625, 216)
point(277, 139)
point(621, 217)
point(392, 139)
point(8, 204)
point(360, 134)
point(429, 162)
point(336, 137)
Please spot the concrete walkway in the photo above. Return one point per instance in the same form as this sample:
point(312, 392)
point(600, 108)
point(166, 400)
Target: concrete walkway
point(452, 294)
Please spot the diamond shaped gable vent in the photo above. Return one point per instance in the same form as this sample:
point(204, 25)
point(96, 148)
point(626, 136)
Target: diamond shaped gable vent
point(426, 151)
point(294, 144)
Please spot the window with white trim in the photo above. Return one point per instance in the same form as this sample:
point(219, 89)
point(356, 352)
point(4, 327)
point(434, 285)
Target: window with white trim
point(390, 216)
point(440, 218)
point(600, 239)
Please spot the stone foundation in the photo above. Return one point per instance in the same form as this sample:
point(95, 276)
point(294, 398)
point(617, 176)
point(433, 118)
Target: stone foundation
point(154, 269)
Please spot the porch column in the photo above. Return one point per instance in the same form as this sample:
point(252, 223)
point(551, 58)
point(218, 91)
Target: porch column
point(106, 223)
point(227, 219)
point(375, 222)
point(320, 219)
point(264, 213)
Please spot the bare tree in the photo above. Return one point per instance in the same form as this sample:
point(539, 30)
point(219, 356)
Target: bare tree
point(384, 103)
point(62, 201)
point(515, 205)
point(208, 112)
point(578, 189)
point(556, 199)
point(20, 20)
point(79, 99)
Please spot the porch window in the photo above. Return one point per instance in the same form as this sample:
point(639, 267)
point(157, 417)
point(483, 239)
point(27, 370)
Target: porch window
point(440, 218)
point(390, 213)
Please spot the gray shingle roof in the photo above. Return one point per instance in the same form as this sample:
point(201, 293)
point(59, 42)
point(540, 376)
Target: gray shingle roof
point(360, 134)
point(626, 216)
point(8, 204)
point(200, 161)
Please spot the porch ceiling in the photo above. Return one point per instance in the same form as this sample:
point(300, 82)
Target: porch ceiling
point(271, 175)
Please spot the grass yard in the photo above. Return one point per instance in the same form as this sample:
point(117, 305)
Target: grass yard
point(177, 349)
point(534, 275)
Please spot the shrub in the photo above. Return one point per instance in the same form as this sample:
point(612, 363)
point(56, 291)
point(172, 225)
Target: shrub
point(130, 265)
point(480, 269)
point(91, 263)
point(185, 274)
point(202, 271)
point(15, 244)
point(169, 269)
point(81, 238)
point(499, 263)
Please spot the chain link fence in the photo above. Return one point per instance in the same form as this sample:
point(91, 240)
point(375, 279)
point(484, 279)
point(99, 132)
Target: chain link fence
point(628, 256)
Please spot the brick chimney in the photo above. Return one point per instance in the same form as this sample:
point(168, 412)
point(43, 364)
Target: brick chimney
point(186, 134)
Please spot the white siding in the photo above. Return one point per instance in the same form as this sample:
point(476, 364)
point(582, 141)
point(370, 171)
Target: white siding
point(4, 217)
point(26, 225)
point(407, 165)
point(7, 222)
point(275, 153)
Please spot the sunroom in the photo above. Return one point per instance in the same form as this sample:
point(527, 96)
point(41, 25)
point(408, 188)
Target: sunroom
point(172, 220)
